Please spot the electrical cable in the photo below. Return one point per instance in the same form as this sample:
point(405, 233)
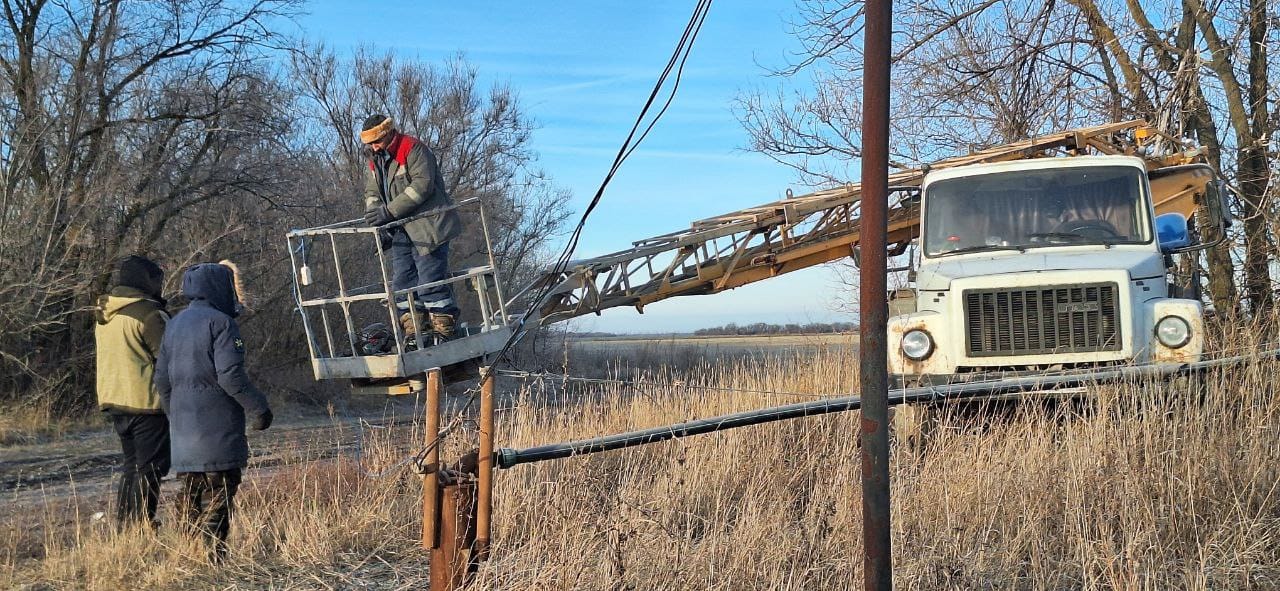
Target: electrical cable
point(677, 61)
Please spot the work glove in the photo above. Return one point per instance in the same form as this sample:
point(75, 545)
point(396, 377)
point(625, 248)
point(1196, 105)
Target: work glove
point(377, 216)
point(262, 421)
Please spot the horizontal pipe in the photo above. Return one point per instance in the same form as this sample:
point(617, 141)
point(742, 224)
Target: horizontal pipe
point(509, 458)
point(354, 227)
point(473, 272)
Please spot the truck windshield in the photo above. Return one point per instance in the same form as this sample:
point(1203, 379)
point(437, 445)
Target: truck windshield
point(1033, 208)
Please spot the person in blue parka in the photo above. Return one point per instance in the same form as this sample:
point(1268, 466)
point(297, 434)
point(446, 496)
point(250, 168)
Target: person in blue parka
point(208, 397)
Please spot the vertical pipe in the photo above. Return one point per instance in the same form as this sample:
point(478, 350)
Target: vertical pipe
point(484, 502)
point(431, 463)
point(497, 281)
point(386, 288)
point(449, 566)
point(482, 294)
point(328, 333)
point(297, 297)
point(873, 309)
point(412, 299)
point(342, 291)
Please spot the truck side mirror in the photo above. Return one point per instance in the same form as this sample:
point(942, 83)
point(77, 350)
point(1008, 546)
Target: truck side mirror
point(1171, 229)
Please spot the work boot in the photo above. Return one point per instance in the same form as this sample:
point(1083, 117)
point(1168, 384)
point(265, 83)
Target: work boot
point(442, 324)
point(406, 324)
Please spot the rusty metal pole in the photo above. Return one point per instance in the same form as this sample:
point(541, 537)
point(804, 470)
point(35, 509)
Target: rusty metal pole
point(873, 308)
point(431, 463)
point(484, 502)
point(449, 567)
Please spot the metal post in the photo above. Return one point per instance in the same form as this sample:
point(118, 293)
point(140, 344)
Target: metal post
point(431, 463)
point(448, 562)
point(873, 309)
point(484, 504)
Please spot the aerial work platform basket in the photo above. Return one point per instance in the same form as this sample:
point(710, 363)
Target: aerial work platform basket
point(344, 291)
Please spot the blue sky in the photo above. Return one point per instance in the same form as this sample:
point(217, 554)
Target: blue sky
point(583, 70)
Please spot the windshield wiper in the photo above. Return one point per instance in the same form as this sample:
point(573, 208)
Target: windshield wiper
point(982, 247)
point(1063, 235)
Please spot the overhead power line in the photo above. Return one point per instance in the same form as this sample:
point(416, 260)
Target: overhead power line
point(676, 64)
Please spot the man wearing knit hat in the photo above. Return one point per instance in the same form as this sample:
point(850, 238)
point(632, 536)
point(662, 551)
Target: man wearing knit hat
point(403, 181)
point(130, 325)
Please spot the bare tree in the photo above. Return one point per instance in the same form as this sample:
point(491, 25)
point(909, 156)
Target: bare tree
point(481, 137)
point(118, 118)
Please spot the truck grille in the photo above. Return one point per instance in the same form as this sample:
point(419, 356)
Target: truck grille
point(1040, 320)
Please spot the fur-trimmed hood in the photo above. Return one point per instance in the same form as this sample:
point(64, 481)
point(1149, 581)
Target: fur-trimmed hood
point(215, 284)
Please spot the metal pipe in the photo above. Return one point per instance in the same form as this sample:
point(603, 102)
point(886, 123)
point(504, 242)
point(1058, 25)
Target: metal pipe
point(482, 296)
point(873, 309)
point(509, 458)
point(297, 298)
point(342, 291)
point(394, 322)
point(346, 227)
point(449, 565)
point(431, 463)
point(484, 501)
point(328, 333)
point(493, 264)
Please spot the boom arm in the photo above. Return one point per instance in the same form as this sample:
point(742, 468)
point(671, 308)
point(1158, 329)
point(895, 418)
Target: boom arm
point(746, 246)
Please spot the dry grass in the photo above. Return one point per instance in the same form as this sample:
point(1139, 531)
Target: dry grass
point(36, 421)
point(1147, 488)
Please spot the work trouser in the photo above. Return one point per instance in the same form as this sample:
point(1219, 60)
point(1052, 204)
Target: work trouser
point(410, 268)
point(206, 505)
point(144, 440)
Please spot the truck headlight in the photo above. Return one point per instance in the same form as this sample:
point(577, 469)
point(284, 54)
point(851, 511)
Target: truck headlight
point(1173, 332)
point(917, 345)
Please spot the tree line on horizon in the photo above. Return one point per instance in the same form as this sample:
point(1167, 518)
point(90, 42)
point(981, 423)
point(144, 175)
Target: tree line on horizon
point(763, 328)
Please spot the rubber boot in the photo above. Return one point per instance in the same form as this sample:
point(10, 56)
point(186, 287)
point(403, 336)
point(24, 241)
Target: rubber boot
point(443, 325)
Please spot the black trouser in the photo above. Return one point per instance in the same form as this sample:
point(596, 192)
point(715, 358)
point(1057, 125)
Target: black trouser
point(144, 439)
point(206, 505)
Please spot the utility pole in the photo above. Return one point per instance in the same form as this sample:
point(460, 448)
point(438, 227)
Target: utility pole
point(873, 308)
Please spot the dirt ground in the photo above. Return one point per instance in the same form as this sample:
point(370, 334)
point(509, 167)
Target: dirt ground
point(82, 463)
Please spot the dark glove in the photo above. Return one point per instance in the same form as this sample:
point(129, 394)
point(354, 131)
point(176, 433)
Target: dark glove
point(262, 421)
point(378, 216)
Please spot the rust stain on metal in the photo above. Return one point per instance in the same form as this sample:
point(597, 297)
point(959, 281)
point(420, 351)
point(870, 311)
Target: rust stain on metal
point(457, 534)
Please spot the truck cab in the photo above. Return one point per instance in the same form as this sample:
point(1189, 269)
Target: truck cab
point(1043, 264)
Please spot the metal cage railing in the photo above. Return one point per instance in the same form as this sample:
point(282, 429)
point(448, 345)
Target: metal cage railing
point(341, 289)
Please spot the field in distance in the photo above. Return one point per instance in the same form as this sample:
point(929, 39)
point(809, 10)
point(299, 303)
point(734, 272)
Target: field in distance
point(765, 341)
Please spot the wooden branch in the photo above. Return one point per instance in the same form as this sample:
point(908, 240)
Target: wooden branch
point(1221, 66)
point(1107, 37)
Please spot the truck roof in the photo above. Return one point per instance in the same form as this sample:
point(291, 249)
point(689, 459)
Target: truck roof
point(1033, 164)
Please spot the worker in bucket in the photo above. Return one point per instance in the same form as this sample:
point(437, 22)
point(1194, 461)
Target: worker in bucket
point(403, 181)
point(201, 379)
point(130, 325)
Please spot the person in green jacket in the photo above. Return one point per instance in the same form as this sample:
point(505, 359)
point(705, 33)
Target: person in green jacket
point(131, 319)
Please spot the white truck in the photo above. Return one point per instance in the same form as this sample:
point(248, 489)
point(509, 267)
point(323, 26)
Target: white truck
point(1053, 263)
